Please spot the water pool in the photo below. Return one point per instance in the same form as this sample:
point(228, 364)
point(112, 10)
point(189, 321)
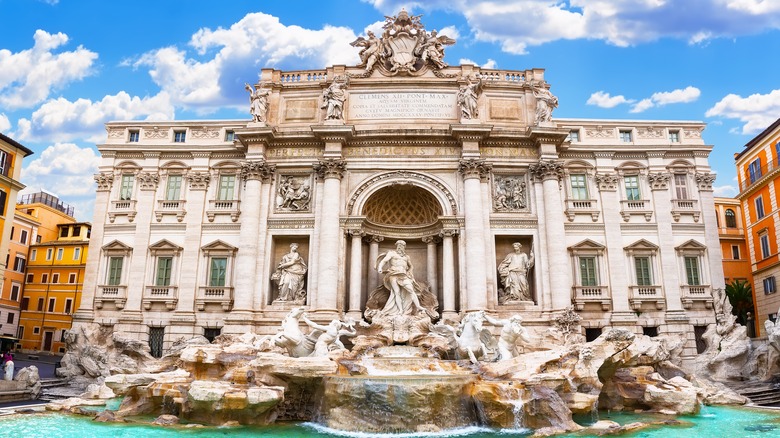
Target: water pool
point(710, 422)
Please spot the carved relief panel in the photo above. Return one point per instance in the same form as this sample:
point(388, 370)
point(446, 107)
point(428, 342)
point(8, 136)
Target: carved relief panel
point(510, 193)
point(293, 193)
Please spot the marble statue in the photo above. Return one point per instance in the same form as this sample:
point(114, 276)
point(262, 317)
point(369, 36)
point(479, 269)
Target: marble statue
point(292, 338)
point(372, 49)
point(467, 99)
point(546, 102)
point(333, 99)
point(329, 337)
point(509, 193)
point(511, 331)
point(258, 98)
point(293, 195)
point(772, 330)
point(513, 271)
point(290, 273)
point(431, 48)
point(470, 339)
point(399, 279)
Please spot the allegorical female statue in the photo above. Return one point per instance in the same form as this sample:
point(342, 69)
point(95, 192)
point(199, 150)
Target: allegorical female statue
point(290, 273)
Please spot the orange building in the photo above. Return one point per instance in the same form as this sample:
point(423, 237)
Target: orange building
point(53, 287)
point(23, 233)
point(733, 243)
point(11, 155)
point(759, 180)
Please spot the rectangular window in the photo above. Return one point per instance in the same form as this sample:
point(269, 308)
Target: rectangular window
point(72, 278)
point(25, 303)
point(76, 230)
point(19, 263)
point(681, 185)
point(588, 275)
point(227, 185)
point(769, 285)
point(126, 187)
point(60, 252)
point(632, 187)
point(759, 207)
point(3, 196)
point(692, 271)
point(625, 136)
point(179, 136)
point(12, 232)
point(591, 334)
point(23, 237)
point(49, 253)
point(156, 337)
point(15, 292)
point(735, 252)
point(115, 270)
point(134, 136)
point(218, 271)
point(211, 333)
point(30, 278)
point(643, 274)
point(63, 231)
point(674, 136)
point(579, 188)
point(765, 251)
point(164, 266)
point(173, 188)
point(33, 254)
point(55, 278)
point(754, 169)
point(574, 136)
point(44, 278)
point(52, 301)
point(68, 305)
point(230, 135)
point(76, 253)
point(36, 330)
point(5, 165)
point(40, 304)
point(10, 318)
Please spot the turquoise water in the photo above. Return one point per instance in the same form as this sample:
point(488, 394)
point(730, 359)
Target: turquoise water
point(711, 422)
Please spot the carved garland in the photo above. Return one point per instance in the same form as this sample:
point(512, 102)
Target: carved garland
point(402, 174)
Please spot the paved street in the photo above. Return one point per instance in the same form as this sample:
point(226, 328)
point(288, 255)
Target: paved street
point(45, 363)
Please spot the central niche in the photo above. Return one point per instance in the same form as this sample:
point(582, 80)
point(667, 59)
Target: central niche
point(402, 205)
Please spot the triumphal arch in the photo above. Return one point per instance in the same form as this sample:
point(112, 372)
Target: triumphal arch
point(400, 187)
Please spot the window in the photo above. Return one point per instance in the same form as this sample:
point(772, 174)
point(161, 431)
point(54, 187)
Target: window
point(49, 253)
point(38, 239)
point(40, 304)
point(588, 275)
point(674, 136)
point(650, 331)
point(632, 187)
point(15, 292)
point(20, 332)
point(76, 230)
point(12, 232)
point(217, 271)
point(68, 305)
point(643, 271)
point(692, 271)
point(25, 303)
point(52, 302)
point(211, 333)
point(115, 271)
point(579, 188)
point(173, 188)
point(759, 207)
point(754, 169)
point(574, 136)
point(44, 278)
point(625, 136)
point(36, 330)
point(5, 164)
point(681, 185)
point(55, 278)
point(126, 187)
point(230, 135)
point(764, 239)
point(731, 219)
point(227, 185)
point(19, 263)
point(156, 336)
point(735, 252)
point(76, 253)
point(60, 252)
point(179, 136)
point(72, 278)
point(591, 334)
point(3, 196)
point(10, 318)
point(769, 285)
point(134, 136)
point(63, 231)
point(30, 278)
point(33, 254)
point(164, 267)
point(23, 237)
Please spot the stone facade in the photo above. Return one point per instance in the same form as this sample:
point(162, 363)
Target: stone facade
point(614, 211)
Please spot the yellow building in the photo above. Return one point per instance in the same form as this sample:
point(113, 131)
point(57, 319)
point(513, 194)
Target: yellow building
point(23, 233)
point(53, 287)
point(11, 155)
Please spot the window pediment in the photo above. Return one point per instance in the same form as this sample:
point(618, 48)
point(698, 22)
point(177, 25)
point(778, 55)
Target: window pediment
point(165, 246)
point(117, 248)
point(691, 246)
point(642, 245)
point(219, 247)
point(587, 246)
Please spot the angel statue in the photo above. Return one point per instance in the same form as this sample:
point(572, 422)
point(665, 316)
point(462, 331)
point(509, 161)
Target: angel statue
point(258, 98)
point(371, 50)
point(431, 48)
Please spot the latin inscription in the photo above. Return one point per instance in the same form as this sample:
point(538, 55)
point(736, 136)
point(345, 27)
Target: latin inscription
point(397, 105)
point(293, 152)
point(445, 151)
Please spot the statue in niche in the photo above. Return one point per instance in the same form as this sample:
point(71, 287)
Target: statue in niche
point(258, 107)
point(509, 193)
point(513, 271)
point(333, 99)
point(290, 274)
point(511, 331)
point(546, 102)
point(329, 338)
point(294, 194)
point(399, 279)
point(467, 99)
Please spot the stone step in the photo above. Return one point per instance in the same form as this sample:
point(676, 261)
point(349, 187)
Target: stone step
point(51, 383)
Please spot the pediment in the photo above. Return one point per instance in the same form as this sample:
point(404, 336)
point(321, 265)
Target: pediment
point(691, 245)
point(642, 245)
point(219, 246)
point(165, 245)
point(587, 244)
point(116, 245)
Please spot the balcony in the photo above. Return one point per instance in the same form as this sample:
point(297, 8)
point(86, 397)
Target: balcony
point(122, 207)
point(693, 293)
point(582, 206)
point(222, 295)
point(685, 206)
point(111, 294)
point(220, 207)
point(170, 208)
point(632, 207)
point(591, 294)
point(757, 175)
point(160, 294)
point(646, 294)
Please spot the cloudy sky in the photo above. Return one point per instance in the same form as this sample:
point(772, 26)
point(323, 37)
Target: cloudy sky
point(69, 66)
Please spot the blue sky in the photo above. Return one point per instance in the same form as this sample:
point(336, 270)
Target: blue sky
point(69, 66)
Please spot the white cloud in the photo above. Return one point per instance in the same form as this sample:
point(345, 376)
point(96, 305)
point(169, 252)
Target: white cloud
point(28, 77)
point(604, 100)
point(725, 191)
point(642, 105)
point(686, 95)
point(64, 120)
point(756, 111)
point(490, 63)
point(5, 124)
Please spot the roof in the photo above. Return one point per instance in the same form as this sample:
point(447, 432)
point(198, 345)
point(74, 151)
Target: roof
point(15, 144)
point(758, 138)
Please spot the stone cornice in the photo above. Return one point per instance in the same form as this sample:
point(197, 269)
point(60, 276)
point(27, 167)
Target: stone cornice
point(330, 168)
point(547, 135)
point(257, 170)
point(334, 133)
point(474, 168)
point(546, 169)
point(470, 133)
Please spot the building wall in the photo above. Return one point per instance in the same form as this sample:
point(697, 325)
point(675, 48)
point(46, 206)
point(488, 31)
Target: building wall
point(23, 232)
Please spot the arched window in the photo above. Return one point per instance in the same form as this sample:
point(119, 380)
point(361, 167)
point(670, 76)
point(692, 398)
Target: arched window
point(731, 219)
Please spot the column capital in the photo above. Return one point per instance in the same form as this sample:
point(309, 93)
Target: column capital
point(374, 238)
point(148, 180)
point(430, 240)
point(659, 180)
point(607, 182)
point(704, 181)
point(354, 232)
point(330, 168)
point(257, 170)
point(104, 181)
point(474, 168)
point(199, 180)
point(546, 169)
point(448, 232)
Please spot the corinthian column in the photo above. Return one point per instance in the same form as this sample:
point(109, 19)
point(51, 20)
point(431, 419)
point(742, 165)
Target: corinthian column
point(476, 278)
point(448, 273)
point(549, 172)
point(355, 272)
point(373, 253)
point(432, 269)
point(330, 170)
